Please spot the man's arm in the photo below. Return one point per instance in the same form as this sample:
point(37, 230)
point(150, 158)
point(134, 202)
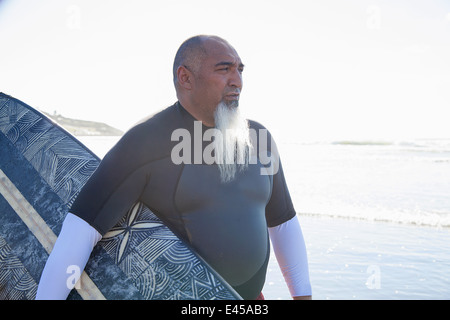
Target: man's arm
point(72, 250)
point(290, 251)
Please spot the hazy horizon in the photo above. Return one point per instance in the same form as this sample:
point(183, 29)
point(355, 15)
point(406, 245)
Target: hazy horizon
point(367, 69)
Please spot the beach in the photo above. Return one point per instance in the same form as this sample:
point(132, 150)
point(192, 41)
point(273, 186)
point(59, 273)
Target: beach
point(374, 215)
point(355, 259)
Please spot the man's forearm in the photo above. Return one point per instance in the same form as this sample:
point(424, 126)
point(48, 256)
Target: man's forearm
point(67, 259)
point(290, 251)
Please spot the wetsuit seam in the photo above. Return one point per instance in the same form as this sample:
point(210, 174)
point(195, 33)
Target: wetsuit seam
point(177, 210)
point(176, 189)
point(271, 189)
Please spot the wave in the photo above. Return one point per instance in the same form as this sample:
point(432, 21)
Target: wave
point(436, 220)
point(362, 143)
point(438, 144)
point(418, 145)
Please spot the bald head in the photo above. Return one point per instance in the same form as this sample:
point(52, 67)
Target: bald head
point(192, 52)
point(207, 71)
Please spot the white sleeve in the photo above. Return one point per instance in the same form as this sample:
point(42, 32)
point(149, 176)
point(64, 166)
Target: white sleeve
point(290, 251)
point(70, 253)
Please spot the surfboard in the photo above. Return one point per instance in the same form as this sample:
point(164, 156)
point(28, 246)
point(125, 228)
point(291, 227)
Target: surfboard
point(42, 169)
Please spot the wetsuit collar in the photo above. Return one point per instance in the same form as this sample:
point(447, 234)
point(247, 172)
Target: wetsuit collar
point(190, 116)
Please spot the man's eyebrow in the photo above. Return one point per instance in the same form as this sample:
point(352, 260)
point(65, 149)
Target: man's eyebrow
point(228, 63)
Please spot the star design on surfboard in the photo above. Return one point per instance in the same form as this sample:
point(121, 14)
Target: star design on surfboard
point(132, 224)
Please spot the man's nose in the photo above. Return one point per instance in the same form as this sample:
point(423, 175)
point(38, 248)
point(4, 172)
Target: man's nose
point(235, 79)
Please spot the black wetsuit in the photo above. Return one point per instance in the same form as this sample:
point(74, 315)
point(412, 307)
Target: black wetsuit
point(225, 222)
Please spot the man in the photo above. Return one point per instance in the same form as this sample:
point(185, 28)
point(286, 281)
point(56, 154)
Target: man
point(217, 195)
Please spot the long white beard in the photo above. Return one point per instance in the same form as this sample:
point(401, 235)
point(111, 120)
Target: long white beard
point(232, 153)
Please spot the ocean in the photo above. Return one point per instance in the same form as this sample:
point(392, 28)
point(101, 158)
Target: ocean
point(375, 216)
point(392, 181)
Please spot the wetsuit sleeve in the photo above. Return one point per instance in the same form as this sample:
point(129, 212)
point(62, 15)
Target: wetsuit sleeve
point(116, 184)
point(280, 207)
point(290, 251)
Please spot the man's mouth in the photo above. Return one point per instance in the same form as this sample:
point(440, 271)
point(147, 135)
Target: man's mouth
point(232, 96)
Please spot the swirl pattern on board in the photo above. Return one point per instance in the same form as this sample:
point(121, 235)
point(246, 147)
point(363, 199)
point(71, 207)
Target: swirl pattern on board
point(156, 261)
point(61, 162)
point(174, 271)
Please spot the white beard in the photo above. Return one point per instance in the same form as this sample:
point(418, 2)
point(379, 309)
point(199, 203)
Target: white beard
point(232, 153)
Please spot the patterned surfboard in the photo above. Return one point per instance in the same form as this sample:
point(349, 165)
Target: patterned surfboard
point(42, 169)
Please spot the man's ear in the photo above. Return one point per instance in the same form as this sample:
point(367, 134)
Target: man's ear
point(184, 78)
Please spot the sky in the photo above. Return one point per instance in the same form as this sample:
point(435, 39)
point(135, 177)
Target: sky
point(315, 70)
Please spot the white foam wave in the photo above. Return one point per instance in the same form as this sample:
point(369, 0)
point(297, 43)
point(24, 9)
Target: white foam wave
point(418, 218)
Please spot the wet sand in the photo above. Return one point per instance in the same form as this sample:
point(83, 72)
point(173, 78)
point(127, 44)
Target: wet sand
point(353, 259)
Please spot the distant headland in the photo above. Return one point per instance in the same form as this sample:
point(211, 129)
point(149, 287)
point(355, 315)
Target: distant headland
point(84, 127)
